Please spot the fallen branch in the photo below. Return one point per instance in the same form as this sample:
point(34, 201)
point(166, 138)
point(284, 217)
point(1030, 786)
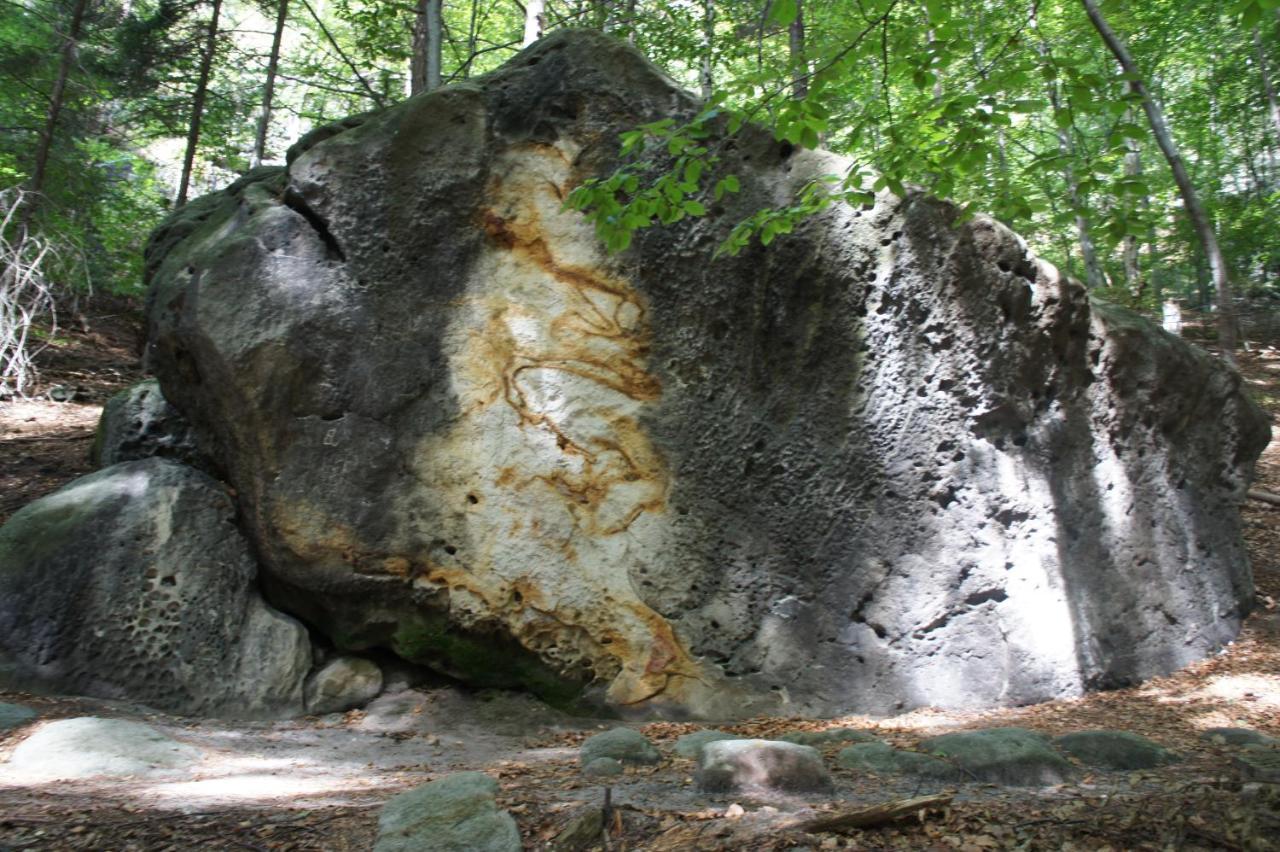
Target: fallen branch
point(875, 815)
point(1264, 496)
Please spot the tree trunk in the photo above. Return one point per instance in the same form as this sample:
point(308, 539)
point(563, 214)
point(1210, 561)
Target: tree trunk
point(56, 97)
point(428, 46)
point(1273, 105)
point(1132, 168)
point(708, 42)
point(533, 21)
point(264, 122)
point(197, 104)
point(1191, 201)
point(799, 63)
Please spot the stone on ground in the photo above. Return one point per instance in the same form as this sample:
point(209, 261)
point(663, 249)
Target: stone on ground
point(135, 583)
point(835, 735)
point(15, 715)
point(343, 683)
point(139, 423)
point(1237, 737)
point(1115, 750)
point(1013, 756)
point(622, 744)
point(883, 759)
point(90, 747)
point(691, 745)
point(455, 812)
point(1258, 763)
point(603, 767)
point(730, 766)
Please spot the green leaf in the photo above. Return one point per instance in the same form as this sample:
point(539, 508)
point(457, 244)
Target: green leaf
point(694, 208)
point(783, 12)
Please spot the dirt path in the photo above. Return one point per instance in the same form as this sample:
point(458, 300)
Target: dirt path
point(317, 783)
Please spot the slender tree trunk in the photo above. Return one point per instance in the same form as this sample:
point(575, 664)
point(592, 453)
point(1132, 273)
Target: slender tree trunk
point(1273, 105)
point(1190, 200)
point(708, 44)
point(799, 62)
point(534, 11)
point(56, 97)
point(1133, 169)
point(264, 122)
point(428, 46)
point(197, 104)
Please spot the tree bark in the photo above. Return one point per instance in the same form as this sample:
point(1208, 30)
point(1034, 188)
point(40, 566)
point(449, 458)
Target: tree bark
point(268, 92)
point(533, 21)
point(56, 97)
point(707, 75)
point(1273, 105)
point(1190, 200)
point(799, 62)
point(428, 46)
point(1133, 169)
point(197, 104)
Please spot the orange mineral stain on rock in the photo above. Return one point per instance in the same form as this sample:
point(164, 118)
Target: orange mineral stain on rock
point(547, 359)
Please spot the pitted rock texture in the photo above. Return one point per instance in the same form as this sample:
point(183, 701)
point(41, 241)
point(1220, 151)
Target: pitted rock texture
point(138, 423)
point(134, 583)
point(892, 459)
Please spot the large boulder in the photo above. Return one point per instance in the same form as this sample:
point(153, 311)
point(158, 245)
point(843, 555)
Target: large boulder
point(891, 459)
point(138, 423)
point(458, 811)
point(135, 583)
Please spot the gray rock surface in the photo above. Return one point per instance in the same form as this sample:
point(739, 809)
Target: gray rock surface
point(90, 747)
point(1115, 750)
point(1237, 737)
point(730, 766)
point(622, 744)
point(1013, 756)
point(691, 745)
point(341, 684)
point(883, 759)
point(135, 583)
point(138, 423)
point(603, 767)
point(455, 812)
point(835, 735)
point(1258, 763)
point(890, 460)
point(15, 715)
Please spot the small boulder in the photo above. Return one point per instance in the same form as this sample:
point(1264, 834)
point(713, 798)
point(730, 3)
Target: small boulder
point(1013, 756)
point(691, 745)
point(139, 423)
point(1258, 763)
point(820, 738)
point(1115, 750)
point(730, 766)
point(90, 747)
point(1237, 737)
point(603, 767)
point(343, 683)
point(457, 811)
point(622, 744)
point(15, 715)
point(883, 759)
point(581, 831)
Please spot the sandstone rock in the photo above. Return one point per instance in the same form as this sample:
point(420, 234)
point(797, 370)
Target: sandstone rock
point(90, 747)
point(730, 766)
point(1116, 750)
point(883, 759)
point(138, 423)
point(1013, 756)
point(1237, 737)
point(835, 735)
point(890, 460)
point(341, 684)
point(603, 767)
point(622, 744)
point(134, 583)
point(691, 745)
point(581, 831)
point(15, 715)
point(455, 812)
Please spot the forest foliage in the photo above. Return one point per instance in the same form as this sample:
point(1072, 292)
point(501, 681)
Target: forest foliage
point(1012, 107)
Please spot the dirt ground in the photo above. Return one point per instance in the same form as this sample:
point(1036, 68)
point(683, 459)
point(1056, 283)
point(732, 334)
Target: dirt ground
point(317, 783)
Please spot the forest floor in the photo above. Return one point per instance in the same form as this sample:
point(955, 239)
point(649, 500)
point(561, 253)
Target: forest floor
point(317, 783)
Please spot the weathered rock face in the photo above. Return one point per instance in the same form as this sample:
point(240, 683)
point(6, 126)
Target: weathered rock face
point(135, 583)
point(890, 460)
point(139, 423)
